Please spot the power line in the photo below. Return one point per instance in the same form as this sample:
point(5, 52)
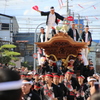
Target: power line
point(87, 7)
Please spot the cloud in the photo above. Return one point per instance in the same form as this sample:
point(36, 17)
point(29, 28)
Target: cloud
point(29, 12)
point(26, 12)
point(17, 4)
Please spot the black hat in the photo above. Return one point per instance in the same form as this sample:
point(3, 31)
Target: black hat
point(24, 75)
point(70, 72)
point(79, 54)
point(37, 85)
point(48, 74)
point(87, 26)
point(81, 77)
point(56, 75)
point(62, 75)
point(52, 8)
point(36, 74)
point(41, 27)
point(73, 22)
point(91, 65)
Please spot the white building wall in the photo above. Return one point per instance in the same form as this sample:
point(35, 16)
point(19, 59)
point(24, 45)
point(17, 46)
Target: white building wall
point(13, 28)
point(5, 35)
point(4, 19)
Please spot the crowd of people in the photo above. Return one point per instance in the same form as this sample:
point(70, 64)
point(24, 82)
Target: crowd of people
point(22, 84)
point(51, 81)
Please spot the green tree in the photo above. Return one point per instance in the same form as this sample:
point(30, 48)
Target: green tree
point(25, 64)
point(6, 54)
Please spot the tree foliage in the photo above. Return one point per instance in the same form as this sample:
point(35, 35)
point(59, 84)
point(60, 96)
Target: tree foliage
point(25, 64)
point(6, 54)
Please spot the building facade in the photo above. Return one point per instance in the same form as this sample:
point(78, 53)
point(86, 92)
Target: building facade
point(8, 27)
point(25, 46)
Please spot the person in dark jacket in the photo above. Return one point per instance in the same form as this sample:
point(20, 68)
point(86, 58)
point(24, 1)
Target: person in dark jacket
point(87, 38)
point(61, 86)
point(91, 70)
point(91, 81)
point(41, 37)
point(51, 67)
point(28, 94)
point(51, 21)
point(83, 88)
point(73, 33)
point(79, 64)
point(71, 84)
point(37, 88)
point(50, 91)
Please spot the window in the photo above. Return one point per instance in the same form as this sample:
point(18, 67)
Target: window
point(5, 26)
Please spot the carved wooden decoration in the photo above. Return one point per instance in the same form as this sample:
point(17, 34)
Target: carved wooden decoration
point(61, 45)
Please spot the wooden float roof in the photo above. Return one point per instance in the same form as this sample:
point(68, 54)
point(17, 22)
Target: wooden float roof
point(61, 45)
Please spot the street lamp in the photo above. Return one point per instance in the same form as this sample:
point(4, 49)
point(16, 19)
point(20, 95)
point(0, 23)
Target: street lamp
point(35, 40)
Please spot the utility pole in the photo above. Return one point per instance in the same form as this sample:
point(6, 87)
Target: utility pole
point(67, 8)
point(73, 14)
point(69, 12)
point(87, 23)
point(78, 23)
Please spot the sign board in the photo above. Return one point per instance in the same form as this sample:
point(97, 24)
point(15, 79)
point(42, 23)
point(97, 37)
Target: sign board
point(70, 18)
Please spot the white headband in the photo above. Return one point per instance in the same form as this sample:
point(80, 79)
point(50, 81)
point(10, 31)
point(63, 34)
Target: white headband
point(96, 75)
point(30, 82)
point(91, 80)
point(30, 73)
point(11, 85)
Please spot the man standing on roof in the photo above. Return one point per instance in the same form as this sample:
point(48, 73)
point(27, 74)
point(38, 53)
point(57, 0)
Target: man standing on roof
point(41, 37)
point(51, 21)
point(73, 33)
point(87, 38)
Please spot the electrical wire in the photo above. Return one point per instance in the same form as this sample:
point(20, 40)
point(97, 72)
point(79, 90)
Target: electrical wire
point(87, 7)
